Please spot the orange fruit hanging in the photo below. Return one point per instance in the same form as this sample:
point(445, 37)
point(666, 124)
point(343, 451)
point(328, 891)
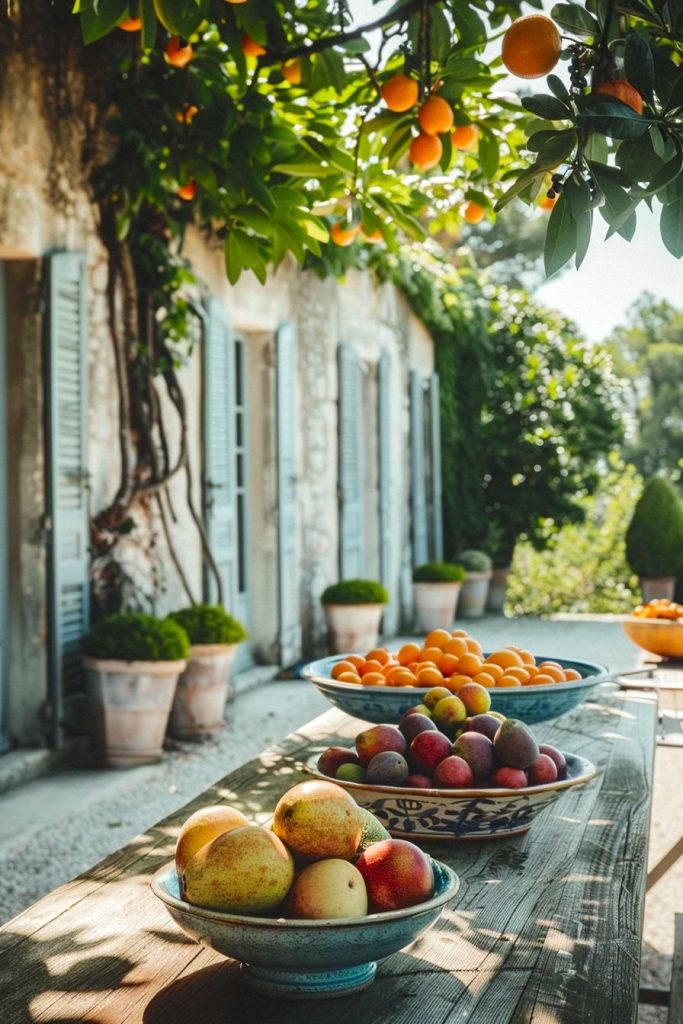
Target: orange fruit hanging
point(373, 238)
point(187, 191)
point(465, 136)
point(131, 25)
point(343, 235)
point(425, 151)
point(546, 203)
point(186, 114)
point(250, 48)
point(622, 90)
point(435, 116)
point(400, 93)
point(177, 54)
point(474, 214)
point(291, 71)
point(531, 46)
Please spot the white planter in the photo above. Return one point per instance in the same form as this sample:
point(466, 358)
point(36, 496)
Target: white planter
point(435, 605)
point(472, 600)
point(495, 599)
point(352, 627)
point(130, 702)
point(202, 691)
point(653, 587)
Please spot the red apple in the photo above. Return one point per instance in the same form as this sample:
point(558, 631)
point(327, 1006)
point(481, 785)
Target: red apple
point(510, 778)
point(377, 739)
point(453, 773)
point(426, 750)
point(542, 770)
point(557, 756)
point(333, 757)
point(397, 874)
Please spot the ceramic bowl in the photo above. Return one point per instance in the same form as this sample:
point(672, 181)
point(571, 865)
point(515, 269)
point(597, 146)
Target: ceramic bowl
point(387, 704)
point(306, 959)
point(658, 636)
point(484, 813)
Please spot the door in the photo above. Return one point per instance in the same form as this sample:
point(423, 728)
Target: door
point(289, 629)
point(436, 502)
point(420, 533)
point(386, 505)
point(351, 547)
point(66, 407)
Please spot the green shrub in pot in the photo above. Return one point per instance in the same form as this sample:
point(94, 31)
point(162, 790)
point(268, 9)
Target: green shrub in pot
point(353, 611)
point(355, 592)
point(209, 624)
point(473, 560)
point(654, 538)
point(439, 572)
point(134, 636)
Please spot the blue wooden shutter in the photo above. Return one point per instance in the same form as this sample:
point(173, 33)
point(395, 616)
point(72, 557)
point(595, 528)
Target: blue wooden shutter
point(350, 465)
point(417, 471)
point(435, 439)
point(386, 502)
point(289, 631)
point(66, 476)
point(219, 452)
point(4, 587)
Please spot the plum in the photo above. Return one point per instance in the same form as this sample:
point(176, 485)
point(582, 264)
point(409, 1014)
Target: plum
point(333, 757)
point(557, 756)
point(416, 781)
point(453, 773)
point(411, 725)
point(388, 768)
point(377, 739)
point(510, 778)
point(486, 724)
point(514, 745)
point(477, 750)
point(542, 770)
point(426, 750)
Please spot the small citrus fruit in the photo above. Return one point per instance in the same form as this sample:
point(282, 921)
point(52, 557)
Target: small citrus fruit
point(400, 93)
point(435, 116)
point(546, 203)
point(342, 234)
point(177, 54)
point(465, 136)
point(425, 151)
point(291, 71)
point(250, 48)
point(531, 46)
point(187, 191)
point(131, 25)
point(622, 90)
point(474, 213)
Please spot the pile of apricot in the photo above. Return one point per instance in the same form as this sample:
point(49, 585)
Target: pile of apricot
point(450, 659)
point(659, 608)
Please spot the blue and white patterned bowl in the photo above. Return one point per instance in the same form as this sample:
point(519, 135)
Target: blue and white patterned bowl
point(483, 813)
point(306, 959)
point(388, 703)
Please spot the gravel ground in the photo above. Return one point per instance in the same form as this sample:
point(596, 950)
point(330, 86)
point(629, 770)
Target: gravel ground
point(55, 828)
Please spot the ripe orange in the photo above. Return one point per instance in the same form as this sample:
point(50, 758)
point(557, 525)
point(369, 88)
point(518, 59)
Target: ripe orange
point(131, 25)
point(374, 679)
point(343, 235)
point(447, 664)
point(454, 682)
point(492, 669)
point(186, 115)
point(527, 657)
point(429, 677)
point(474, 213)
point(176, 54)
point(371, 239)
point(508, 681)
point(349, 677)
point(341, 666)
point(408, 653)
point(546, 203)
point(459, 632)
point(401, 676)
point(505, 658)
point(187, 191)
point(555, 673)
point(469, 664)
point(380, 654)
point(388, 667)
point(518, 673)
point(435, 116)
point(433, 654)
point(484, 679)
point(456, 646)
point(291, 71)
point(465, 136)
point(370, 666)
point(624, 91)
point(425, 151)
point(235, 1)
point(571, 675)
point(541, 679)
point(438, 638)
point(357, 660)
point(531, 46)
point(400, 93)
point(250, 48)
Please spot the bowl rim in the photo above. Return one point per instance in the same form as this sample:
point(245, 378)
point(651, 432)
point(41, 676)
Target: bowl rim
point(632, 620)
point(288, 924)
point(587, 772)
point(601, 676)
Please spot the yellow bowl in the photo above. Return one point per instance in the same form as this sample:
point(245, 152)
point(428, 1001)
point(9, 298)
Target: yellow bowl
point(658, 636)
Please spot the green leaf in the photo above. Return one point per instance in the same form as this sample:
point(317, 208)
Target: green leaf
point(584, 227)
point(521, 182)
point(440, 34)
point(149, 24)
point(617, 202)
point(180, 17)
point(470, 27)
point(639, 65)
point(576, 19)
point(638, 160)
point(331, 64)
point(559, 90)
point(560, 240)
point(305, 169)
point(489, 155)
point(611, 117)
point(548, 107)
point(557, 149)
point(671, 227)
point(99, 18)
point(579, 197)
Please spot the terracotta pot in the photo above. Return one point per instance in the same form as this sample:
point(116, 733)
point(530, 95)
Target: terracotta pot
point(352, 627)
point(202, 691)
point(653, 587)
point(472, 600)
point(435, 605)
point(130, 702)
point(495, 599)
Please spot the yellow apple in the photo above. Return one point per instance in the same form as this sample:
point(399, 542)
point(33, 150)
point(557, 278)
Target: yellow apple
point(201, 827)
point(319, 819)
point(329, 888)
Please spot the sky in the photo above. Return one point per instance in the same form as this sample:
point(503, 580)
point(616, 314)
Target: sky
point(614, 272)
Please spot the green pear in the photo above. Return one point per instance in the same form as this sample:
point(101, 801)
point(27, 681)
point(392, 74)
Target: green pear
point(373, 831)
point(329, 888)
point(247, 871)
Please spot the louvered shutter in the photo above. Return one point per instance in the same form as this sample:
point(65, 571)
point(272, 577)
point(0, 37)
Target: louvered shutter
point(289, 632)
point(66, 476)
point(350, 465)
point(417, 471)
point(386, 504)
point(219, 453)
point(4, 658)
point(435, 440)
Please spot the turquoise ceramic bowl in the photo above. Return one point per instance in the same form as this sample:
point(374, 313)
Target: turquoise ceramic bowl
point(528, 703)
point(476, 813)
point(306, 959)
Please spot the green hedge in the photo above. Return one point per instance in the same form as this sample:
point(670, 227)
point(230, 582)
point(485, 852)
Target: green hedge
point(133, 636)
point(355, 592)
point(654, 538)
point(439, 572)
point(474, 561)
point(209, 624)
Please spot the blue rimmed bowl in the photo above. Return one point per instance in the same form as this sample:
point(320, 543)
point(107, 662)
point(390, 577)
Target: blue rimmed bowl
point(476, 813)
point(306, 959)
point(388, 703)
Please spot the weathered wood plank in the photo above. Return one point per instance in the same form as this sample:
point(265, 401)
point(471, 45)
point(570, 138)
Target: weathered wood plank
point(676, 998)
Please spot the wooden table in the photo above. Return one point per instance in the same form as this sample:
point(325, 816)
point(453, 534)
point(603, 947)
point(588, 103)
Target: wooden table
point(546, 927)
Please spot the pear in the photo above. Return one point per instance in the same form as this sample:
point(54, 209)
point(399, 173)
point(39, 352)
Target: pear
point(329, 888)
point(319, 819)
point(246, 871)
point(201, 827)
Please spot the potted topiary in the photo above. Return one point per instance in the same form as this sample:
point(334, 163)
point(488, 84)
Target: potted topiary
point(654, 539)
point(472, 600)
point(204, 687)
point(353, 611)
point(132, 664)
point(436, 586)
